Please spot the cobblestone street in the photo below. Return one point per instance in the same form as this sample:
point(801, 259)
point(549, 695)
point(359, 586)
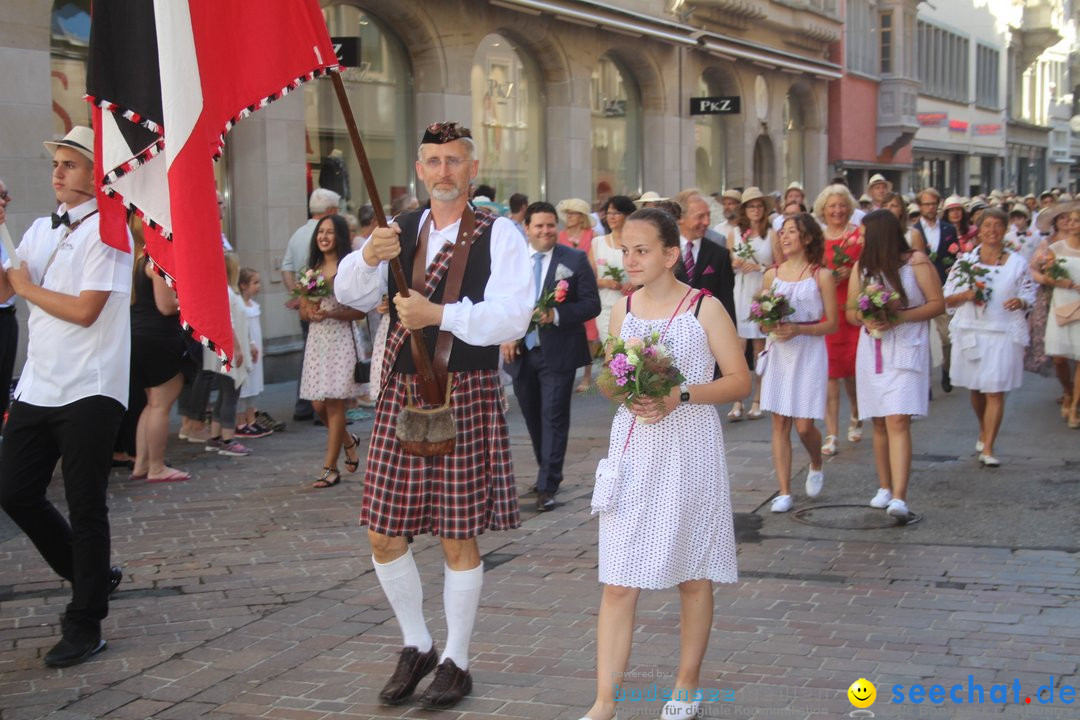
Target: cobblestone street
point(248, 594)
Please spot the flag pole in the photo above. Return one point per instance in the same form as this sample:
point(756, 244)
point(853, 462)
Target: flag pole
point(429, 387)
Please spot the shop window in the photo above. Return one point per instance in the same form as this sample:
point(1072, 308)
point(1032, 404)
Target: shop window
point(794, 139)
point(507, 119)
point(616, 130)
point(380, 93)
point(709, 136)
point(70, 42)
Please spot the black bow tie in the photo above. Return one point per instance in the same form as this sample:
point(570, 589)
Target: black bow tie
point(58, 220)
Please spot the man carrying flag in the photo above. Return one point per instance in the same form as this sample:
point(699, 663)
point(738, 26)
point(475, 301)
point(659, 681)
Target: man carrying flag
point(71, 394)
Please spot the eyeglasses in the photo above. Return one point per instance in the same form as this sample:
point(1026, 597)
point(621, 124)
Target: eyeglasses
point(614, 212)
point(453, 162)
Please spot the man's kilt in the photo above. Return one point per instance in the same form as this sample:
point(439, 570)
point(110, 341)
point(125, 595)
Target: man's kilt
point(456, 496)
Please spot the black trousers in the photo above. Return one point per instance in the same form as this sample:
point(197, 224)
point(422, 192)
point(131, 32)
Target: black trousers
point(82, 434)
point(9, 346)
point(544, 396)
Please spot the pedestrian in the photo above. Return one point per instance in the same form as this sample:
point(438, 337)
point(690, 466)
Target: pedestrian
point(327, 377)
point(893, 359)
point(543, 363)
point(706, 264)
point(577, 233)
point(670, 524)
point(607, 261)
point(9, 329)
point(249, 284)
point(794, 366)
point(459, 495)
point(843, 244)
point(940, 240)
point(71, 392)
point(755, 247)
point(988, 328)
point(1062, 341)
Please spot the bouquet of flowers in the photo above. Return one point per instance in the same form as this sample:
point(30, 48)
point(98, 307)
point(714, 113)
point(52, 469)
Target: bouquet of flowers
point(971, 277)
point(874, 302)
point(769, 309)
point(956, 248)
point(745, 251)
point(611, 272)
point(312, 285)
point(841, 259)
point(1056, 270)
point(638, 368)
point(549, 300)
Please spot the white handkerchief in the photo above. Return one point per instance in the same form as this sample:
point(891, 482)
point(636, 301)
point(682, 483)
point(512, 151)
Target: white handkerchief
point(562, 272)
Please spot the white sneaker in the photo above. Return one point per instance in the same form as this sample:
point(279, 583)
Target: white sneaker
point(815, 480)
point(882, 499)
point(782, 503)
point(898, 509)
point(979, 446)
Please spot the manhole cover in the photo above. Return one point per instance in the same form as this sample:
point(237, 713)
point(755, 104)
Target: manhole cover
point(849, 517)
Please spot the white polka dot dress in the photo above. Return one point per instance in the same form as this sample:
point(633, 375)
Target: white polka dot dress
point(796, 374)
point(900, 383)
point(672, 520)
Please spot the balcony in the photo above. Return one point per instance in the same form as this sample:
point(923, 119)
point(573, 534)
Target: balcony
point(1039, 29)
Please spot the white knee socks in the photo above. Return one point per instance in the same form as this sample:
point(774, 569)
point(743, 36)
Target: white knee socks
point(400, 581)
point(461, 598)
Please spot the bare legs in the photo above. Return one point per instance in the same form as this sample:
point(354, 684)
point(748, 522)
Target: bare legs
point(989, 409)
point(892, 453)
point(1063, 371)
point(809, 436)
point(152, 432)
point(832, 404)
point(332, 413)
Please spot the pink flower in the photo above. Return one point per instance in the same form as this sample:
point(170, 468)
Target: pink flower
point(561, 289)
point(954, 248)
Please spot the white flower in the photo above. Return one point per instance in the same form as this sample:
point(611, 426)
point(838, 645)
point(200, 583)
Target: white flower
point(632, 358)
point(766, 306)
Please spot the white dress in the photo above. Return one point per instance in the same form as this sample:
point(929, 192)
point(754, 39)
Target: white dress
point(253, 386)
point(748, 284)
point(988, 343)
point(796, 374)
point(901, 384)
point(606, 257)
point(672, 521)
point(1064, 340)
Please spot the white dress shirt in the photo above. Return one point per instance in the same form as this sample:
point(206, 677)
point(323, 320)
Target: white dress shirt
point(66, 362)
point(695, 248)
point(504, 313)
point(931, 234)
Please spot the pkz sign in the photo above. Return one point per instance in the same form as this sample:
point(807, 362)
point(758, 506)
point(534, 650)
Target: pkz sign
point(722, 105)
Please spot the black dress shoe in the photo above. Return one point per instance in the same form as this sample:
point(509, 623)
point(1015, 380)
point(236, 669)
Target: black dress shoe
point(75, 647)
point(115, 576)
point(449, 686)
point(412, 666)
point(946, 381)
point(545, 502)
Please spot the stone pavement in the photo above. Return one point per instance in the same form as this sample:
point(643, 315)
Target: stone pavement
point(249, 595)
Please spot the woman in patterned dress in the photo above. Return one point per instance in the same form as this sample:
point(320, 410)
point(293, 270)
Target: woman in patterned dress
point(578, 233)
point(893, 369)
point(330, 355)
point(1062, 342)
point(795, 363)
point(843, 243)
point(669, 522)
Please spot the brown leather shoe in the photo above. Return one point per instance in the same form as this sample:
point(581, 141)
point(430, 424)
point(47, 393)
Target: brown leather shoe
point(545, 502)
point(411, 668)
point(449, 686)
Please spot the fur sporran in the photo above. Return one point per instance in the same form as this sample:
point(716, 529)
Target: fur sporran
point(427, 432)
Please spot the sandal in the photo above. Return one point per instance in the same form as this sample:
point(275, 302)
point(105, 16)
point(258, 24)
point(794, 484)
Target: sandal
point(172, 475)
point(352, 463)
point(330, 478)
point(755, 411)
point(736, 412)
point(854, 431)
point(583, 387)
point(829, 446)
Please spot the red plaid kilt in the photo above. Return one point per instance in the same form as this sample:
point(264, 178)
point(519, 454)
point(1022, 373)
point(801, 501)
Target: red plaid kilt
point(456, 496)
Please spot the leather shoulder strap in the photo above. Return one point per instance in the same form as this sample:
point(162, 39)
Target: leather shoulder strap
point(452, 290)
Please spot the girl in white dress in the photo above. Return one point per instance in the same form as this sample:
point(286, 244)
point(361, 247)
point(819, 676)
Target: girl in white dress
point(670, 522)
point(606, 252)
point(988, 341)
point(249, 285)
point(753, 246)
point(1063, 341)
point(795, 365)
point(893, 372)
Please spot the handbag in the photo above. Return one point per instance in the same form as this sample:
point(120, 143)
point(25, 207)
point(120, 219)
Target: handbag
point(1067, 314)
point(361, 372)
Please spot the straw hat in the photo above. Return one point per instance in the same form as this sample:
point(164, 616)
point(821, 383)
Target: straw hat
point(732, 195)
point(1046, 217)
point(953, 201)
point(753, 193)
point(80, 139)
point(913, 209)
point(794, 185)
point(572, 205)
point(649, 196)
point(878, 178)
point(865, 199)
point(1020, 209)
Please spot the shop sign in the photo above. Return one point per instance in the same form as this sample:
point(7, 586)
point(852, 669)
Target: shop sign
point(936, 119)
point(720, 105)
point(347, 50)
point(988, 129)
point(958, 126)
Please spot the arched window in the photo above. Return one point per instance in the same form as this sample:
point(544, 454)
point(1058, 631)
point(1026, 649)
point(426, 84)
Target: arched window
point(380, 93)
point(764, 164)
point(710, 133)
point(616, 130)
point(794, 139)
point(507, 119)
point(70, 41)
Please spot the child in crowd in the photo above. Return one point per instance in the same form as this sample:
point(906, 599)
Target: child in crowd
point(249, 285)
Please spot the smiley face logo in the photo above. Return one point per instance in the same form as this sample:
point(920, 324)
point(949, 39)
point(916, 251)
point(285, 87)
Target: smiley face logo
point(862, 693)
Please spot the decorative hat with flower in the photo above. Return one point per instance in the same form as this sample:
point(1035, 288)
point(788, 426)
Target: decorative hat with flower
point(441, 133)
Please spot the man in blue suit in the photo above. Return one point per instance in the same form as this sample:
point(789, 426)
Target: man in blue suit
point(544, 362)
point(941, 245)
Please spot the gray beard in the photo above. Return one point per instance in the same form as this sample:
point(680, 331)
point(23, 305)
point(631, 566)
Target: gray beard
point(446, 195)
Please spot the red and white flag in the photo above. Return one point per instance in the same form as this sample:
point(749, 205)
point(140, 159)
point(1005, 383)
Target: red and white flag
point(168, 79)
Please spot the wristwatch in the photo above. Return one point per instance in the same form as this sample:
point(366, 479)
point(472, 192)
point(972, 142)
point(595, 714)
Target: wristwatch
point(684, 393)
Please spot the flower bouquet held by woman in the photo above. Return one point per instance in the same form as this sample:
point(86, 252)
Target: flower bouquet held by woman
point(769, 309)
point(312, 284)
point(638, 368)
point(876, 302)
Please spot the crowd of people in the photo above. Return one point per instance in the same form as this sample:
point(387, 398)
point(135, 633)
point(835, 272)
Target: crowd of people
point(529, 294)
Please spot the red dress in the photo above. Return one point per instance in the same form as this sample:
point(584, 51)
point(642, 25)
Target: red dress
point(584, 244)
point(843, 344)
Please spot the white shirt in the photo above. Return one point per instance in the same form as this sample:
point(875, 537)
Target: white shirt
point(299, 247)
point(724, 230)
point(695, 248)
point(545, 265)
point(509, 296)
point(64, 361)
point(931, 234)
